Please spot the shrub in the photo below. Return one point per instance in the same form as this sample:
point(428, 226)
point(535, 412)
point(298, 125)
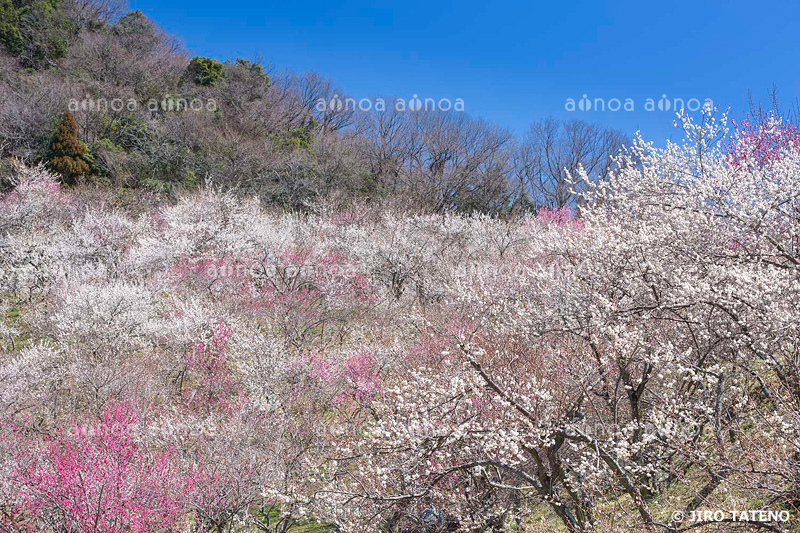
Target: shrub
point(133, 23)
point(205, 71)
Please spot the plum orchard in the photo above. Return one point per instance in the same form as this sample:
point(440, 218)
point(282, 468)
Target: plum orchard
point(212, 366)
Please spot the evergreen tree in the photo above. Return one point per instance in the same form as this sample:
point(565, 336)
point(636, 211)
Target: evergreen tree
point(69, 156)
point(10, 35)
point(205, 71)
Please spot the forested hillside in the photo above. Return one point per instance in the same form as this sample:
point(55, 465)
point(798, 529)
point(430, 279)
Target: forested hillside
point(147, 116)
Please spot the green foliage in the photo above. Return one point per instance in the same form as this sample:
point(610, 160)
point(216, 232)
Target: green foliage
point(45, 33)
point(367, 184)
point(296, 139)
point(169, 187)
point(133, 23)
point(272, 517)
point(69, 156)
point(190, 180)
point(10, 35)
point(103, 152)
point(6, 175)
point(205, 71)
point(137, 34)
point(254, 69)
point(156, 185)
point(105, 144)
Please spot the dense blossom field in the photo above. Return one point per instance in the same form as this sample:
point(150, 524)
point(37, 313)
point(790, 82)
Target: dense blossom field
point(212, 366)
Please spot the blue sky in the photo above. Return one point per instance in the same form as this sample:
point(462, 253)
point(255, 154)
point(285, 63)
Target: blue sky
point(514, 62)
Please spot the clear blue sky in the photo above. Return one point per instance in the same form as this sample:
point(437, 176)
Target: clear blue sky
point(514, 62)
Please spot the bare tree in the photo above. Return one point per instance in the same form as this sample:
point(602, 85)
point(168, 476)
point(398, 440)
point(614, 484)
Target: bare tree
point(455, 161)
point(93, 12)
point(552, 150)
point(296, 97)
point(387, 146)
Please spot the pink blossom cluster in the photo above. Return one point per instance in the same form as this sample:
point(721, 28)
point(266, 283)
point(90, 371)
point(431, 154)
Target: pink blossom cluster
point(100, 477)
